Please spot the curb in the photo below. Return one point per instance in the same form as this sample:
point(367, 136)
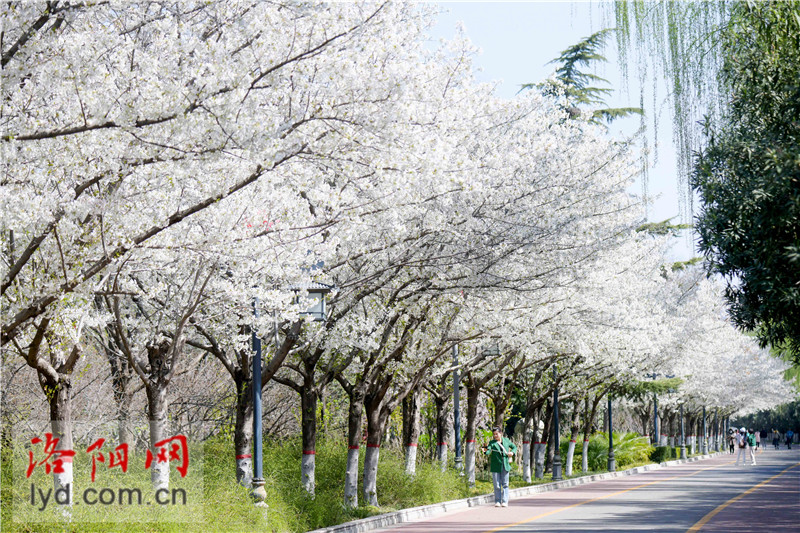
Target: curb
point(414, 514)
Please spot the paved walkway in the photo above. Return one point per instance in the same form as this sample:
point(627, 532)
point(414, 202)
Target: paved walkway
point(774, 502)
point(709, 495)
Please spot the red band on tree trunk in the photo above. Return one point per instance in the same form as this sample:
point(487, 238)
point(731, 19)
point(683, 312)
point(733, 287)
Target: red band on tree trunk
point(309, 452)
point(352, 447)
point(573, 440)
point(526, 442)
point(442, 444)
point(473, 440)
point(373, 445)
point(412, 444)
point(64, 458)
point(246, 456)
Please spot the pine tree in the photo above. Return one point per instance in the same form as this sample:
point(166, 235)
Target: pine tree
point(578, 86)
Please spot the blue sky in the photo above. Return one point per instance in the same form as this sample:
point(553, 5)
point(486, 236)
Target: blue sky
point(518, 39)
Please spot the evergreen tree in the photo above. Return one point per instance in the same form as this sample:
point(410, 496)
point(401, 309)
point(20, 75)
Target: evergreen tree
point(579, 86)
point(748, 175)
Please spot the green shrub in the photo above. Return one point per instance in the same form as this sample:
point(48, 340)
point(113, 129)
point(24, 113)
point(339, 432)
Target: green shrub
point(663, 453)
point(629, 449)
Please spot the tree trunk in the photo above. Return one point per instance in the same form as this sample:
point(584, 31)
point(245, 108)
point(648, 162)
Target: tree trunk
point(411, 416)
point(646, 421)
point(243, 430)
point(671, 420)
point(308, 421)
point(574, 428)
point(546, 449)
point(121, 377)
point(539, 447)
point(553, 441)
point(588, 417)
point(473, 395)
point(526, 448)
point(60, 400)
point(374, 434)
point(354, 413)
point(500, 406)
point(7, 425)
point(441, 428)
point(533, 412)
point(157, 410)
point(585, 456)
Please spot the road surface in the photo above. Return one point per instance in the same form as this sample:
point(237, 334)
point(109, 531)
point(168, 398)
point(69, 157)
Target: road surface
point(703, 496)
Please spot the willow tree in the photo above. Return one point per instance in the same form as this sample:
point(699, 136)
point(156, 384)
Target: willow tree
point(747, 176)
point(735, 64)
point(679, 42)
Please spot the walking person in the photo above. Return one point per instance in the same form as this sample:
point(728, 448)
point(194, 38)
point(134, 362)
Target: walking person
point(776, 439)
point(752, 444)
point(741, 445)
point(789, 437)
point(731, 441)
point(499, 450)
point(763, 435)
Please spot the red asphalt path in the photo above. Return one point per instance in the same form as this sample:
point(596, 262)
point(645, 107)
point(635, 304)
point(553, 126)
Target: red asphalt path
point(771, 506)
point(770, 502)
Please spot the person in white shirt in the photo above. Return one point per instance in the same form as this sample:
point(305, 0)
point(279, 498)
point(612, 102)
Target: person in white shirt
point(741, 445)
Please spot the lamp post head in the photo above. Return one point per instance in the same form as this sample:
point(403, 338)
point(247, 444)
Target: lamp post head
point(492, 351)
point(316, 292)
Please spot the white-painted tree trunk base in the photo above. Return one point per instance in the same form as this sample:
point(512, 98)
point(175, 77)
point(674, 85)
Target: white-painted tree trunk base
point(307, 469)
point(538, 450)
point(441, 453)
point(469, 462)
point(526, 461)
point(351, 479)
point(570, 457)
point(371, 475)
point(159, 475)
point(585, 457)
point(244, 471)
point(64, 484)
point(411, 460)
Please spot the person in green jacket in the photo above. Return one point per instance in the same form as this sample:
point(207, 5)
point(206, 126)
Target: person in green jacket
point(751, 443)
point(499, 450)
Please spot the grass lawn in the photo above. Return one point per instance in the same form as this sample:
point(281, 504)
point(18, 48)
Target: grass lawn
point(216, 503)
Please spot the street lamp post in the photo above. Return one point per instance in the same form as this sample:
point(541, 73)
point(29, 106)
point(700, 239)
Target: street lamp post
point(716, 430)
point(456, 409)
point(656, 434)
point(656, 439)
point(705, 439)
point(556, 432)
point(612, 465)
point(683, 437)
point(258, 492)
